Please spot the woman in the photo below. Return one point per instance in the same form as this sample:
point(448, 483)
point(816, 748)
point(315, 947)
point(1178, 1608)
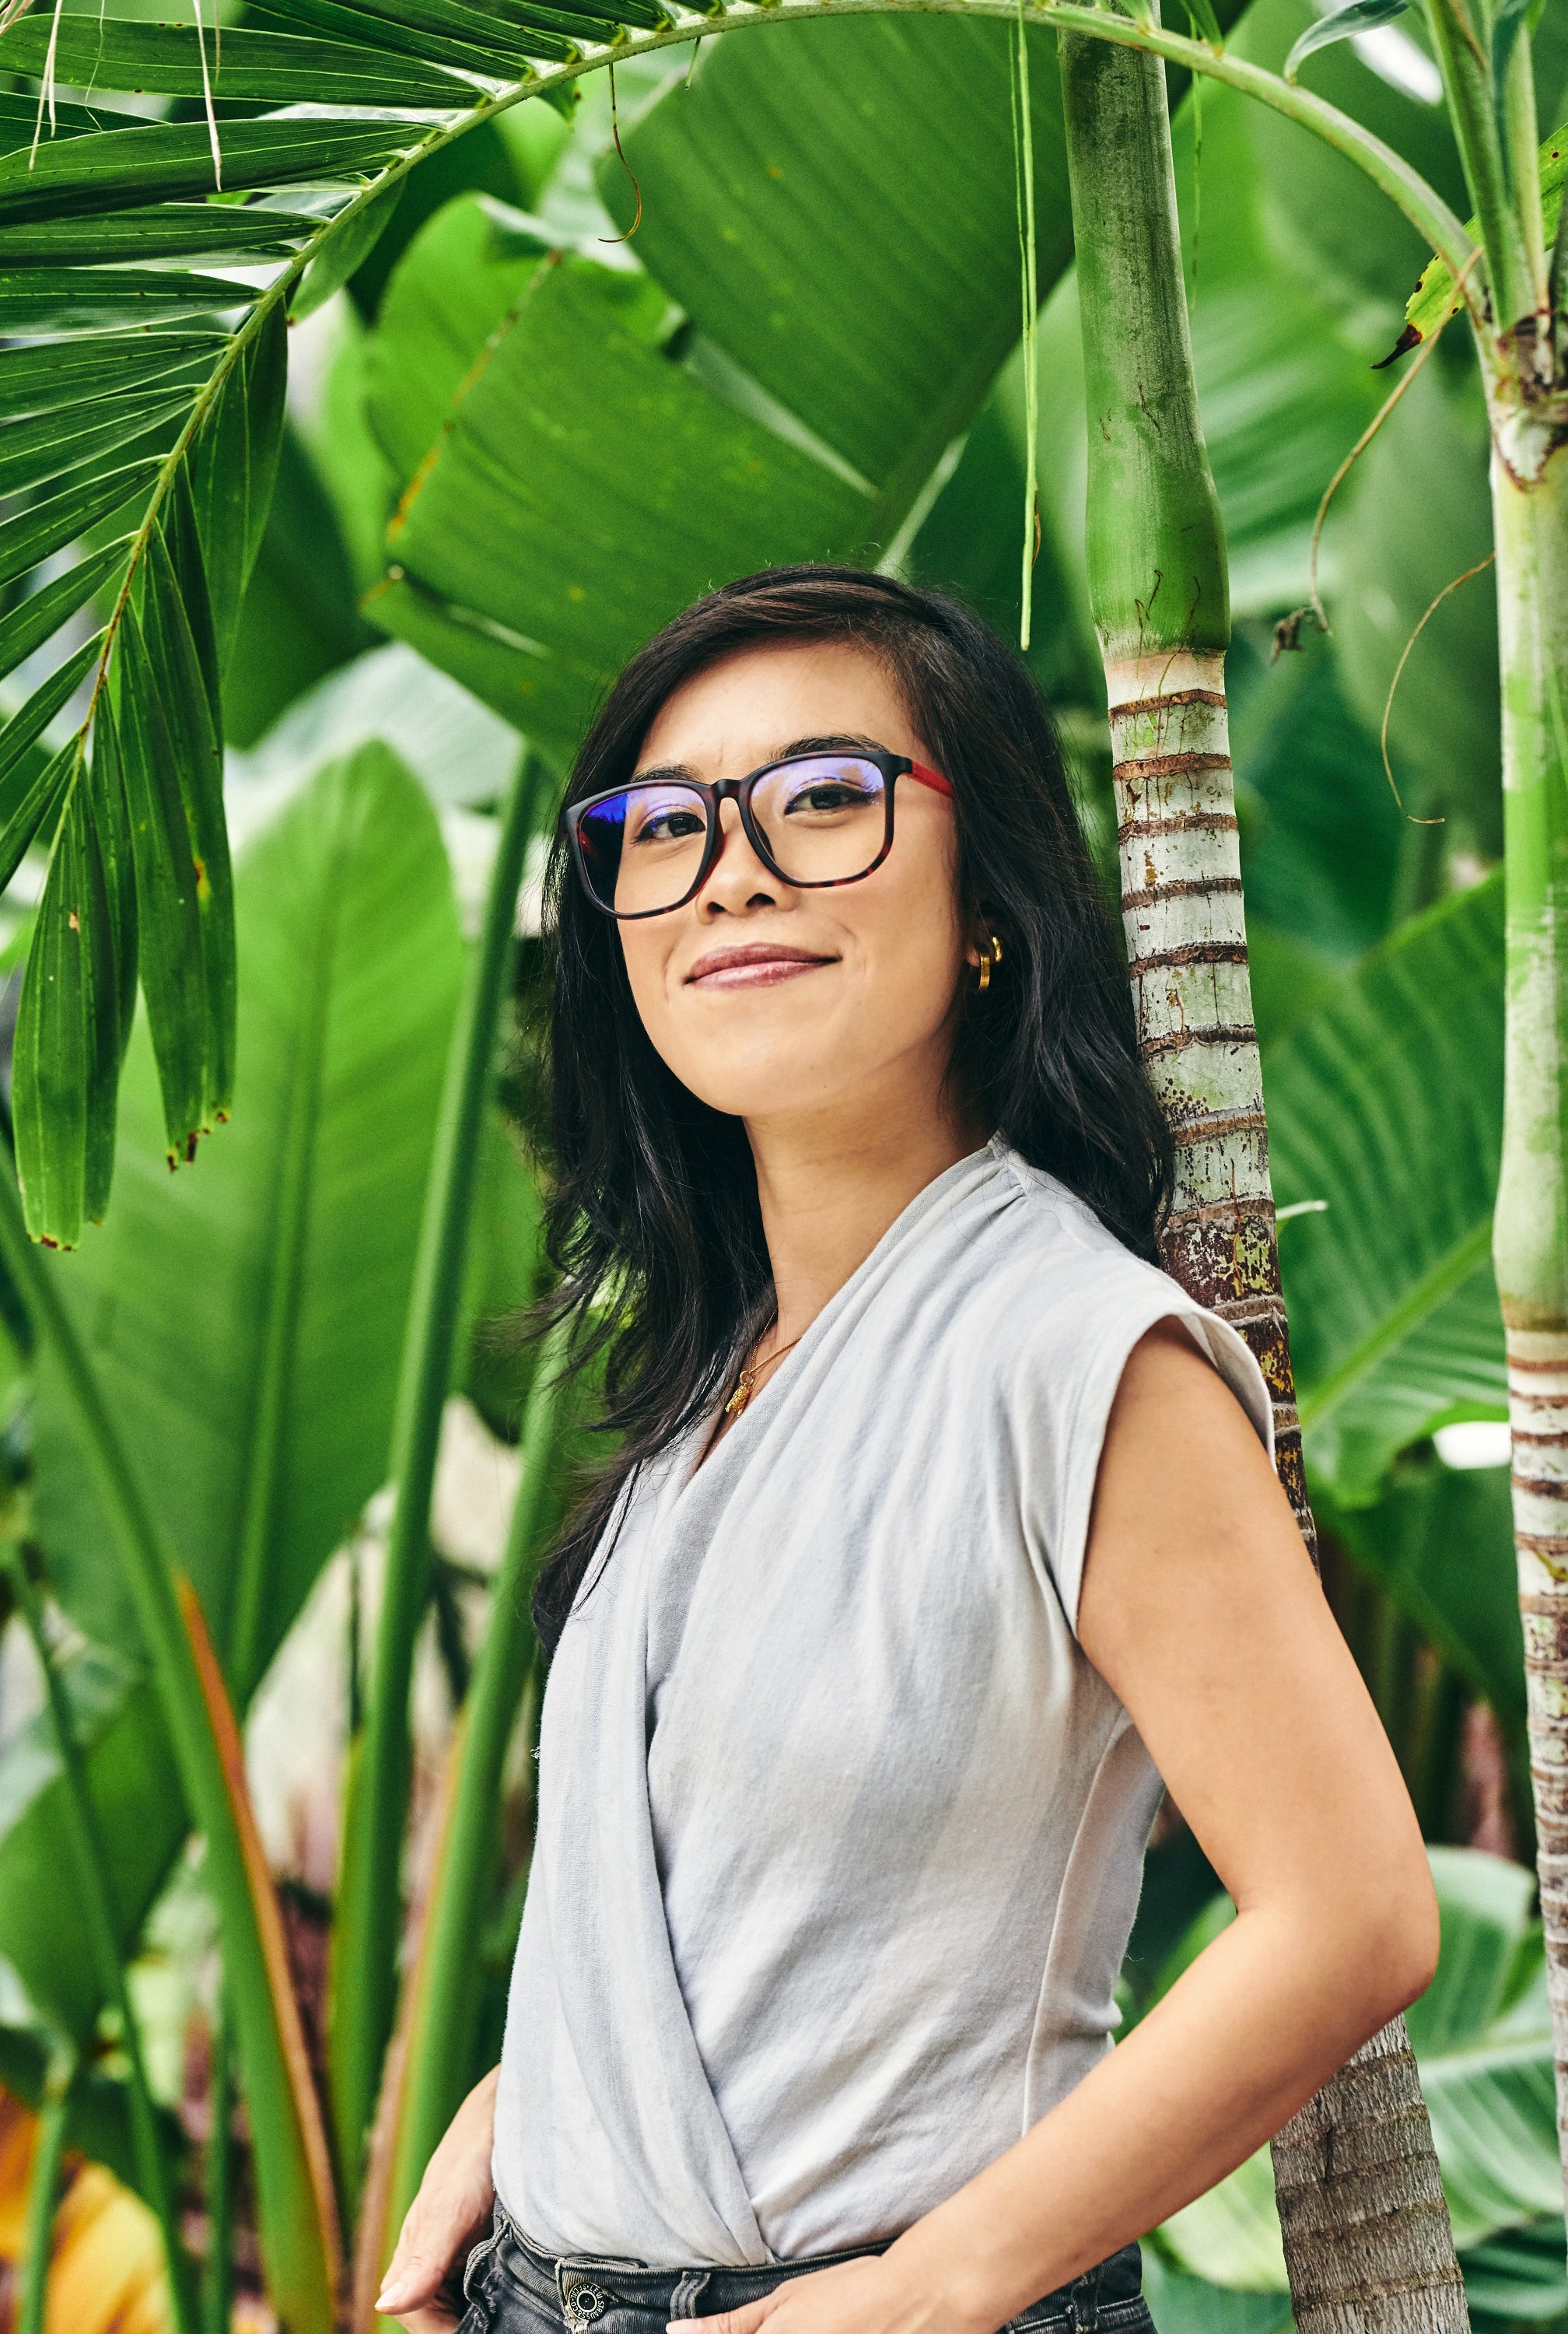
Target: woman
point(943, 1527)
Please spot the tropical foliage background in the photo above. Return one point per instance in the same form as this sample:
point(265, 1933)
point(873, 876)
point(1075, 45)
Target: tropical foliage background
point(750, 301)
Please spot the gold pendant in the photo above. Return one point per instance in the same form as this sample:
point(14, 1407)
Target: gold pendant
point(740, 1397)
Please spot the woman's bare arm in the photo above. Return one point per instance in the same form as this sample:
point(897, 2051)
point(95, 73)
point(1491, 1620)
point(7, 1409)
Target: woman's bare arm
point(1200, 1608)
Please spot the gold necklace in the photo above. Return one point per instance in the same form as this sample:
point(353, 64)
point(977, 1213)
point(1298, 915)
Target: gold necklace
point(745, 1385)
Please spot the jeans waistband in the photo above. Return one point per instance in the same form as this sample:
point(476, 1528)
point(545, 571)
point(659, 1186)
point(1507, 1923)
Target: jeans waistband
point(583, 2287)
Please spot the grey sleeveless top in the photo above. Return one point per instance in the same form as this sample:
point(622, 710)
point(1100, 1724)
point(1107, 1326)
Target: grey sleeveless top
point(839, 1831)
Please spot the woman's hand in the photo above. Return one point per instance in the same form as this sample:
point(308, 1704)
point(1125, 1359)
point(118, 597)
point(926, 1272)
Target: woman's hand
point(878, 2295)
point(451, 2208)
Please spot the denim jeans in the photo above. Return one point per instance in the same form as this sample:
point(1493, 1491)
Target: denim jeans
point(512, 2287)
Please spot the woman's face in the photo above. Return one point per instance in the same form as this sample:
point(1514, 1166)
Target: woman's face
point(767, 1001)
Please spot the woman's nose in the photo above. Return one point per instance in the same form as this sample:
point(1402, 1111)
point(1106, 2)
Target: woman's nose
point(737, 879)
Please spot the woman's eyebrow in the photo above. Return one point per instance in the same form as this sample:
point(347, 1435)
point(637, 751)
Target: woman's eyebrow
point(664, 774)
point(838, 744)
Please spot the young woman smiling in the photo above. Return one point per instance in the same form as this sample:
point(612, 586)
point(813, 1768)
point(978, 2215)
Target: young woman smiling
point(942, 1526)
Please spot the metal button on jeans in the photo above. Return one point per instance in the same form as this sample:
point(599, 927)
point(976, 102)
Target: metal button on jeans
point(584, 2301)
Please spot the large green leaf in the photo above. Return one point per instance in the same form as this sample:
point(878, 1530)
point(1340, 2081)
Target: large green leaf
point(1386, 1106)
point(297, 620)
point(1349, 246)
point(84, 190)
point(136, 1790)
point(1180, 2303)
point(475, 259)
point(571, 525)
point(459, 750)
point(874, 300)
point(246, 1319)
point(94, 52)
point(1482, 2036)
point(1441, 1541)
point(107, 170)
point(1284, 393)
point(574, 475)
point(822, 374)
point(1518, 2275)
point(1319, 830)
point(1414, 519)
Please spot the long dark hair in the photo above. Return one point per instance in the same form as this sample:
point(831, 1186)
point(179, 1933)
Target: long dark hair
point(653, 1219)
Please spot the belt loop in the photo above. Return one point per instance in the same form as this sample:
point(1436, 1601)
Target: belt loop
point(1086, 2300)
point(693, 2284)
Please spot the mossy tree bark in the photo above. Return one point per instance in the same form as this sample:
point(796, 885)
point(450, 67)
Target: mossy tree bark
point(1366, 2230)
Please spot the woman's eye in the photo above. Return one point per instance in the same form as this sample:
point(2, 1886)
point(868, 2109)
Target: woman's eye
point(668, 826)
point(833, 795)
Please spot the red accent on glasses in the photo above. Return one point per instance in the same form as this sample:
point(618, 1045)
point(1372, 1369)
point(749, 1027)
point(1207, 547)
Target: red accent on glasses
point(932, 779)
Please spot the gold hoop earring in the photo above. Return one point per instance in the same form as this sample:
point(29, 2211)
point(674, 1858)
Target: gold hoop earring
point(990, 955)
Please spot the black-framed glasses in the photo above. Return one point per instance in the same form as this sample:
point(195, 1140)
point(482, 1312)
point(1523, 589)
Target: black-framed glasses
point(813, 820)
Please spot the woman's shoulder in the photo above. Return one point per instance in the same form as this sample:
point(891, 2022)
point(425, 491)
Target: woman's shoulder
point(1044, 1244)
point(1057, 1301)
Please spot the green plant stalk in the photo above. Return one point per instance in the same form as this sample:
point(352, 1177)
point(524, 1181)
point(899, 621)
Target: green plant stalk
point(1155, 547)
point(96, 1913)
point(369, 1922)
point(217, 2279)
point(264, 1469)
point(298, 2242)
point(1530, 1236)
point(1467, 89)
point(43, 2188)
point(1522, 154)
point(1366, 2247)
point(445, 2016)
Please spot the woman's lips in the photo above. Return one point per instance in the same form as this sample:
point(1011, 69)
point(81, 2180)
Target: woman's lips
point(760, 966)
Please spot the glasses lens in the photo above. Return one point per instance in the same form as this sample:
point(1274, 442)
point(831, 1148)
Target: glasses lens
point(640, 850)
point(824, 817)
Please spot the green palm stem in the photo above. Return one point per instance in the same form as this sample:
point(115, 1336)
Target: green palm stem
point(1530, 1233)
point(368, 1922)
point(97, 1913)
point(444, 2029)
point(297, 2220)
point(1516, 287)
point(217, 2278)
point(1369, 2247)
point(44, 2188)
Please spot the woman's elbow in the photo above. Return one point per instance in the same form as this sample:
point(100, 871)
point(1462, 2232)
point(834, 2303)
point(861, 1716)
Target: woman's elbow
point(1395, 1951)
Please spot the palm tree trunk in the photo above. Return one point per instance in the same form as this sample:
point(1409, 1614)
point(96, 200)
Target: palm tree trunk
point(1366, 2231)
point(1530, 1238)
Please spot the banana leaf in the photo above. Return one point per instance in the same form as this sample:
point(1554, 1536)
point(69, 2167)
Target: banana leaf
point(246, 1320)
point(1386, 1108)
point(598, 462)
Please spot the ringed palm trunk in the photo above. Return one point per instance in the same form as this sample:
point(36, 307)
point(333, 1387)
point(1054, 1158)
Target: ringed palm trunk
point(1367, 2240)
